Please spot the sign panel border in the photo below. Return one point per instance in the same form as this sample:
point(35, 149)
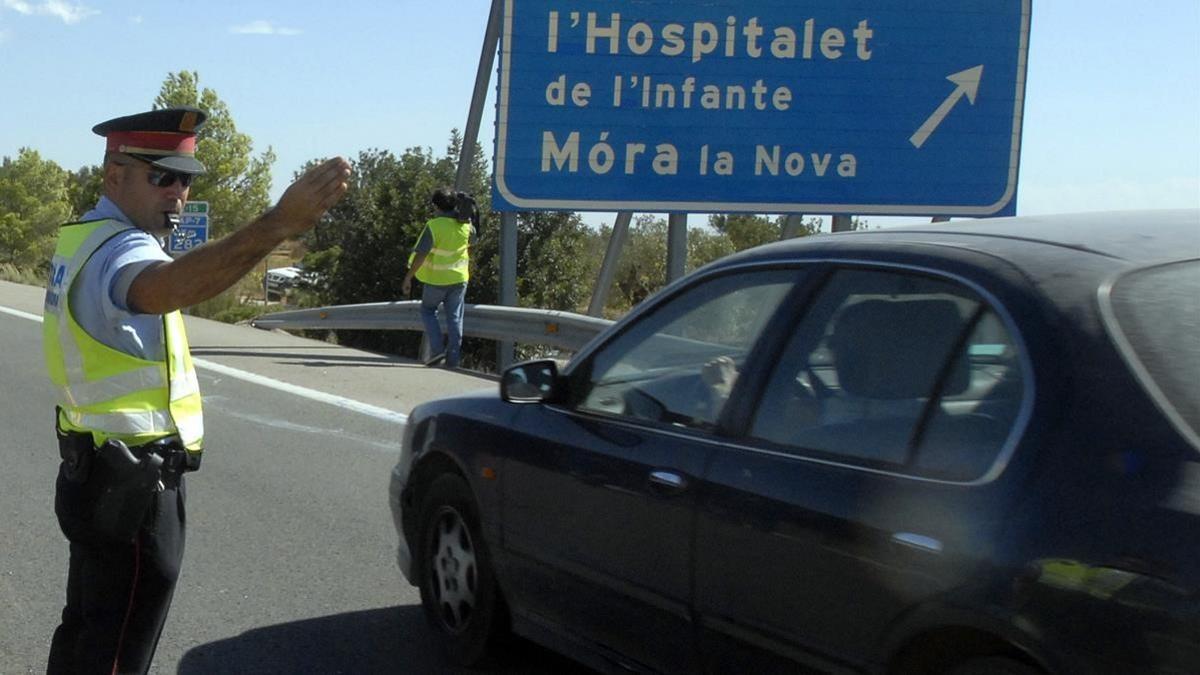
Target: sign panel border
point(502, 126)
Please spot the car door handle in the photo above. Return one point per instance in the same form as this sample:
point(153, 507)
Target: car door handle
point(669, 480)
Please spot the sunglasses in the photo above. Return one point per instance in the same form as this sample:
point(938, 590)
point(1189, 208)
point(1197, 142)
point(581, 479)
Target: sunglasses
point(163, 178)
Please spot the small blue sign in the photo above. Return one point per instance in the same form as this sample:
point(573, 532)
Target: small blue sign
point(764, 106)
point(192, 230)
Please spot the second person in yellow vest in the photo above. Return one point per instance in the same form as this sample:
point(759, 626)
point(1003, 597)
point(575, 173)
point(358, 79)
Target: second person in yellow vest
point(441, 262)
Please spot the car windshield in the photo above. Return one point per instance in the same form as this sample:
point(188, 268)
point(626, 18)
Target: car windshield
point(1155, 317)
point(658, 369)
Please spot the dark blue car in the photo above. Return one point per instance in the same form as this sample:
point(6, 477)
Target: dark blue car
point(965, 448)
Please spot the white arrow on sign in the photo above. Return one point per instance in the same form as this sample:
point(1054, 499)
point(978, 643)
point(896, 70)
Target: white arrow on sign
point(968, 84)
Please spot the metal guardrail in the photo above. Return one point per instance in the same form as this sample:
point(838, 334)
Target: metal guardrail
point(517, 324)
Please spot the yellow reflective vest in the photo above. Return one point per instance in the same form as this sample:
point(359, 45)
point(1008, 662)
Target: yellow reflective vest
point(106, 391)
point(449, 260)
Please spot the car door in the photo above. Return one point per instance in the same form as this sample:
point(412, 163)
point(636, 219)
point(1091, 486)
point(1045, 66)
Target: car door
point(863, 483)
point(599, 498)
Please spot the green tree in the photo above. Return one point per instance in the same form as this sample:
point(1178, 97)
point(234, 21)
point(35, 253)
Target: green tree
point(34, 201)
point(84, 187)
point(642, 268)
point(554, 268)
point(237, 186)
point(808, 227)
point(375, 224)
point(361, 247)
point(705, 246)
point(746, 230)
point(817, 224)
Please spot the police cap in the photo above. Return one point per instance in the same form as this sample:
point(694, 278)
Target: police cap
point(165, 138)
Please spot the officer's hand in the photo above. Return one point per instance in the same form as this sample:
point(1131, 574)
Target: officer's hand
point(406, 286)
point(314, 193)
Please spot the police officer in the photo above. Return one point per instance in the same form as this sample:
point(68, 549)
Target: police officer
point(441, 262)
point(128, 418)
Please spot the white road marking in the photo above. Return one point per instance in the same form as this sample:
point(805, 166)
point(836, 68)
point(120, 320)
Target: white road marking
point(23, 315)
point(305, 392)
point(313, 394)
point(227, 407)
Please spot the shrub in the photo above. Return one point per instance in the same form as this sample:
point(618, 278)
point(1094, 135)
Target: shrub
point(22, 275)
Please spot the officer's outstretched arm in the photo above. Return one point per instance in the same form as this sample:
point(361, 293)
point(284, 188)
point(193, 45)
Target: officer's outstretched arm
point(210, 269)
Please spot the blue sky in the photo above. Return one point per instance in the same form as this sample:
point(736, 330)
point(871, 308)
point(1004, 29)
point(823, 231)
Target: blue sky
point(1112, 118)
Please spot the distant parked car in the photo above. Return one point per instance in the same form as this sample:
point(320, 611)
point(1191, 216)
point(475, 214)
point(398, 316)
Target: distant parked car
point(968, 448)
point(279, 280)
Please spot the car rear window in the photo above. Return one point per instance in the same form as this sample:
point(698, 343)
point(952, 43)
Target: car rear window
point(1155, 316)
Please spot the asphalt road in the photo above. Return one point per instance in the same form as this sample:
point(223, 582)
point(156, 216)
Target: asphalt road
point(289, 565)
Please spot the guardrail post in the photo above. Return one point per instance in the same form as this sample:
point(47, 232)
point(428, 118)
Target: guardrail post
point(424, 352)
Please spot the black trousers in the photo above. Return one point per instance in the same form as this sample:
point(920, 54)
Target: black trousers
point(118, 594)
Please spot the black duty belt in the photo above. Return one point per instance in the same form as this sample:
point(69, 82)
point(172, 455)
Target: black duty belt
point(122, 480)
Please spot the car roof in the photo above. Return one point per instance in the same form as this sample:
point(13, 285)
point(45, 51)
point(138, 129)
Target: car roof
point(1136, 237)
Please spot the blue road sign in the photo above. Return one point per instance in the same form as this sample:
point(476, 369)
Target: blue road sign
point(889, 107)
point(192, 230)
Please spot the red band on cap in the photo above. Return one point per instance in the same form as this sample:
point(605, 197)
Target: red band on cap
point(152, 142)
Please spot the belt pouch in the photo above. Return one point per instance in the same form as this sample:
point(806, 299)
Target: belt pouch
point(77, 451)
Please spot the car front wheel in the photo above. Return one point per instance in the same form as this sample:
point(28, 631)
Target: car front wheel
point(458, 585)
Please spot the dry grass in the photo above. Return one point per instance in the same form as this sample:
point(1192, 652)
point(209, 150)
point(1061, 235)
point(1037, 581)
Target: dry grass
point(21, 275)
point(235, 303)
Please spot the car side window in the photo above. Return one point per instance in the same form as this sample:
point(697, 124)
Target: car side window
point(678, 364)
point(896, 371)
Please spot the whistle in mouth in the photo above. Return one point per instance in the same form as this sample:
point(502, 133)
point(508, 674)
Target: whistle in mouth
point(171, 220)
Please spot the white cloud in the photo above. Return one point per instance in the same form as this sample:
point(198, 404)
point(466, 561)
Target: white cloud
point(260, 27)
point(19, 6)
point(136, 19)
point(68, 12)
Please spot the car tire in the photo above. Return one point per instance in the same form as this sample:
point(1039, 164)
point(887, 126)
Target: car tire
point(457, 581)
point(994, 665)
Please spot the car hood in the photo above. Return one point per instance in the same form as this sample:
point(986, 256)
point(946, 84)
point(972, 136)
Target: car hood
point(479, 400)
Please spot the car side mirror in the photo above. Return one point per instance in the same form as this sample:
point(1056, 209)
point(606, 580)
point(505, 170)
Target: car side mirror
point(531, 382)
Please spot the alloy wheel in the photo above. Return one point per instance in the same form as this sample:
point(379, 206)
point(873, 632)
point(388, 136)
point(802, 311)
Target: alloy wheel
point(453, 570)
